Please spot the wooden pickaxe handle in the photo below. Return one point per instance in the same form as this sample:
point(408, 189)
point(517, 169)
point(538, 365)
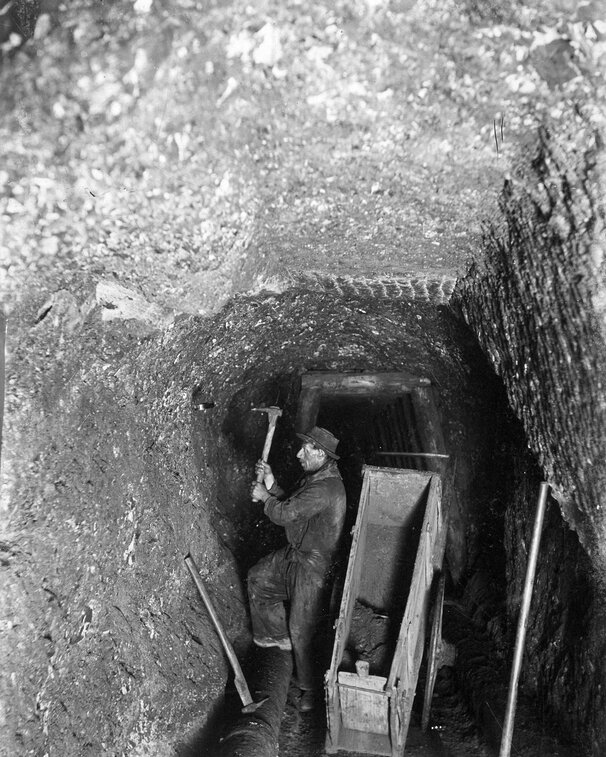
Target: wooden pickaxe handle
point(273, 413)
point(268, 440)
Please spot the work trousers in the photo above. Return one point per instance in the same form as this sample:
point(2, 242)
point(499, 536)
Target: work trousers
point(288, 599)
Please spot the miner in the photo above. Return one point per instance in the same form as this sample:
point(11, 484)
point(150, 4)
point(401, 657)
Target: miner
point(289, 589)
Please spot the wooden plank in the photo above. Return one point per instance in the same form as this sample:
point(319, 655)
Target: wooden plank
point(409, 648)
point(385, 473)
point(399, 719)
point(308, 409)
point(406, 409)
point(387, 567)
point(333, 714)
point(395, 493)
point(421, 581)
point(434, 651)
point(334, 384)
point(362, 683)
point(438, 527)
point(363, 709)
point(352, 580)
point(394, 519)
point(405, 431)
point(428, 425)
point(366, 743)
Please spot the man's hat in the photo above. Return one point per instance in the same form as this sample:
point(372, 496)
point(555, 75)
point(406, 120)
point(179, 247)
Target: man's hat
point(322, 439)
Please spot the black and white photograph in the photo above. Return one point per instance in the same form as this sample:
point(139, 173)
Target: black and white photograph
point(302, 378)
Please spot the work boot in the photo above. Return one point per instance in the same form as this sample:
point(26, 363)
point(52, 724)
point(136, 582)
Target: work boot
point(308, 700)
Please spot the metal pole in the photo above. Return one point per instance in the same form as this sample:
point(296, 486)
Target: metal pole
point(412, 454)
point(523, 623)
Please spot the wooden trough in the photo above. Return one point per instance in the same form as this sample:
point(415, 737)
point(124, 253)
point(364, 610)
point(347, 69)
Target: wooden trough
point(395, 559)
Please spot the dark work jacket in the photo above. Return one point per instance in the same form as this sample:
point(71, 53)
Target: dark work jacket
point(313, 516)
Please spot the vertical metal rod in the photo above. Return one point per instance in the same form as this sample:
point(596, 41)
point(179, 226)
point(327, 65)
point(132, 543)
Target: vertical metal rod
point(523, 623)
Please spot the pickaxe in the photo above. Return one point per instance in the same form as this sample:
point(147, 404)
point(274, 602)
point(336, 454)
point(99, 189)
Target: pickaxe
point(273, 413)
point(240, 682)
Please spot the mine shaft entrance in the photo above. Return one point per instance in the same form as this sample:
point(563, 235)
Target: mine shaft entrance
point(383, 419)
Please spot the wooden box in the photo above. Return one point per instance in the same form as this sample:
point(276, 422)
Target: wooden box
point(397, 547)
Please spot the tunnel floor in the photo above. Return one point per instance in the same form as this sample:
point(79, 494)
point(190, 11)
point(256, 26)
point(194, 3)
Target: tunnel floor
point(453, 731)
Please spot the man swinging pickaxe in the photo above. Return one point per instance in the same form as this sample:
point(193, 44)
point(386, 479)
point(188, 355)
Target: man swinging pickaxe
point(273, 413)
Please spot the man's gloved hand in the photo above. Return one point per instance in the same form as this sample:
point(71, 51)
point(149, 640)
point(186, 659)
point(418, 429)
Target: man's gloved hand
point(258, 492)
point(268, 477)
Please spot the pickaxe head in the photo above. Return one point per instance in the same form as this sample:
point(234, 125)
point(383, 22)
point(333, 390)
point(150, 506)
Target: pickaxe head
point(273, 412)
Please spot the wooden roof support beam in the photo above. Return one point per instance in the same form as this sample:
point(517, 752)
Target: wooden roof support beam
point(362, 384)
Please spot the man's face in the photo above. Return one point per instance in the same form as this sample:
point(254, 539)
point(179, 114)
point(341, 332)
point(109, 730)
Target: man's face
point(310, 457)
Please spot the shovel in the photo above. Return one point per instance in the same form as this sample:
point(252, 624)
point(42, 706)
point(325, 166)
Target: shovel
point(239, 680)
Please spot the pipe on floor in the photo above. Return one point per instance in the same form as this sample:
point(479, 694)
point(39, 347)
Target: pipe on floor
point(256, 734)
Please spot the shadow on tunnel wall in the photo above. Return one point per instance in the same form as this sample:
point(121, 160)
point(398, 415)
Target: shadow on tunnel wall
point(204, 740)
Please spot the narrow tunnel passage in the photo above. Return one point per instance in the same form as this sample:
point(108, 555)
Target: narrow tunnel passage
point(172, 463)
point(457, 421)
point(194, 151)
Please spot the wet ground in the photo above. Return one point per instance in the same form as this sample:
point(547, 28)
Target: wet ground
point(451, 734)
point(454, 729)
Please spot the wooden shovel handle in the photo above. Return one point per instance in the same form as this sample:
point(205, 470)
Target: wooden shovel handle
point(239, 679)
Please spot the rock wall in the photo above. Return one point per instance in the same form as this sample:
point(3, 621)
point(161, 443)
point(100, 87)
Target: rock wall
point(565, 647)
point(536, 301)
point(106, 647)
